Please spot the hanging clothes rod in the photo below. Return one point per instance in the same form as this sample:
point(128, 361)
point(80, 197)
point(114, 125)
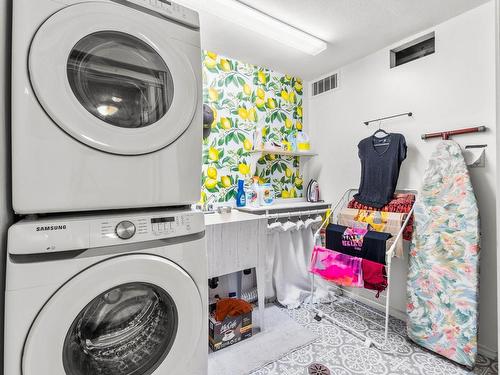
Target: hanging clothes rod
point(296, 213)
point(409, 114)
point(446, 134)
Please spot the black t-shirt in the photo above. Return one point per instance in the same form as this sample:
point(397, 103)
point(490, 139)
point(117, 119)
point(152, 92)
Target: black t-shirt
point(380, 168)
point(355, 242)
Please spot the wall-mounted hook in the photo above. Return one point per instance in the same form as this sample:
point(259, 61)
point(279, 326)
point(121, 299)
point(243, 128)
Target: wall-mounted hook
point(475, 156)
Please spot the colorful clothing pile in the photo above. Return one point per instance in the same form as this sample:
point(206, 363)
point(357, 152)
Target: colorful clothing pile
point(402, 203)
point(354, 257)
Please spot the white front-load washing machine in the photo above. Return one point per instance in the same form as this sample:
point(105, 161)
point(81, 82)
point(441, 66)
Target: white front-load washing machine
point(122, 294)
point(106, 105)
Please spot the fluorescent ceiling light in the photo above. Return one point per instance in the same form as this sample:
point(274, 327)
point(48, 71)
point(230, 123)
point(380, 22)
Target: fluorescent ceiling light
point(256, 21)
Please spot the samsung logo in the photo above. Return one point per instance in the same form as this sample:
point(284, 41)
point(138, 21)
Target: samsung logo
point(51, 227)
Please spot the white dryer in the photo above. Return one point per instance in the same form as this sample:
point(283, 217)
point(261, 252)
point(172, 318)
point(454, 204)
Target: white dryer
point(106, 105)
point(107, 295)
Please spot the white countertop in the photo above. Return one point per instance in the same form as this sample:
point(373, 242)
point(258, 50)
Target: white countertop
point(232, 217)
point(285, 206)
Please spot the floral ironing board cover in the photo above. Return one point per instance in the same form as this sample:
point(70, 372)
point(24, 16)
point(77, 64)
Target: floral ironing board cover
point(443, 279)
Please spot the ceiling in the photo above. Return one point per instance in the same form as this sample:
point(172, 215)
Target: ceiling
point(352, 29)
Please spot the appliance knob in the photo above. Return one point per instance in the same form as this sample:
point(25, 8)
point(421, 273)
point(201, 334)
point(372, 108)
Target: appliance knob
point(125, 229)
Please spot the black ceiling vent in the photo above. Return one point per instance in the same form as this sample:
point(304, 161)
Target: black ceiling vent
point(325, 84)
point(420, 47)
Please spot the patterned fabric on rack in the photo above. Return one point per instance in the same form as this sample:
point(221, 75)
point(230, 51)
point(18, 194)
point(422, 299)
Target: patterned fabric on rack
point(338, 268)
point(443, 279)
point(402, 203)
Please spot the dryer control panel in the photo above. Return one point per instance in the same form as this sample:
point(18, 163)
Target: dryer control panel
point(67, 233)
point(168, 9)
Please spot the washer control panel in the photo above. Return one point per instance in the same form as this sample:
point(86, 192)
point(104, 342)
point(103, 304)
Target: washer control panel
point(163, 224)
point(145, 228)
point(125, 229)
point(31, 236)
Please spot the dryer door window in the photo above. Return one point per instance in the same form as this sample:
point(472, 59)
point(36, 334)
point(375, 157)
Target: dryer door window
point(120, 79)
point(116, 79)
point(127, 330)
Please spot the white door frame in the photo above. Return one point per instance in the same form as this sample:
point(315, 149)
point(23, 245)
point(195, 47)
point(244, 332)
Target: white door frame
point(497, 80)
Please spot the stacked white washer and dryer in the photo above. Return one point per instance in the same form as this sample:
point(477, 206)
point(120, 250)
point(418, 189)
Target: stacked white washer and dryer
point(106, 271)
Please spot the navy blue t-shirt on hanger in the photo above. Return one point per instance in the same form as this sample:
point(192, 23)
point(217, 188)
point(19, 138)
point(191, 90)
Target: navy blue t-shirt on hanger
point(381, 160)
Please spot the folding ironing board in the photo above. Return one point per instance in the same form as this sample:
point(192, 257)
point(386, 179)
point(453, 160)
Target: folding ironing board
point(443, 279)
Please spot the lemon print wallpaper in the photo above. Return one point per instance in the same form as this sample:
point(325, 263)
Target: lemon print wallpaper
point(244, 98)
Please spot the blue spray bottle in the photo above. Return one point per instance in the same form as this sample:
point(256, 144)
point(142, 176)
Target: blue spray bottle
point(241, 198)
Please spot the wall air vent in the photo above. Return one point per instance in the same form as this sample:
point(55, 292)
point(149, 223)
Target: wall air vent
point(420, 47)
point(325, 84)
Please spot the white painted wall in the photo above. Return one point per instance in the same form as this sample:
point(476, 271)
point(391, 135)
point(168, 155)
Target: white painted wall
point(453, 88)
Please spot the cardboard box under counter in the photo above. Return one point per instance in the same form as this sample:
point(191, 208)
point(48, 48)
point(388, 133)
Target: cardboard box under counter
point(230, 331)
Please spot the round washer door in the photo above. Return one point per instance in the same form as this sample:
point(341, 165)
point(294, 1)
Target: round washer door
point(113, 78)
point(129, 315)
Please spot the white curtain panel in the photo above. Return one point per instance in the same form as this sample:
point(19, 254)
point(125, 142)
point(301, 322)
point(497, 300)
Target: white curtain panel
point(287, 264)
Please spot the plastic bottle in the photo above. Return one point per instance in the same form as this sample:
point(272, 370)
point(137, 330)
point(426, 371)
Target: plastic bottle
point(253, 197)
point(240, 195)
point(303, 143)
point(266, 195)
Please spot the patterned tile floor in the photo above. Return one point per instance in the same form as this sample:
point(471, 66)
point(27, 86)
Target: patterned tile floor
point(344, 354)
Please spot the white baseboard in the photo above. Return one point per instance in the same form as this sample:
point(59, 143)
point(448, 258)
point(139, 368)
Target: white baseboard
point(482, 349)
point(377, 305)
point(487, 352)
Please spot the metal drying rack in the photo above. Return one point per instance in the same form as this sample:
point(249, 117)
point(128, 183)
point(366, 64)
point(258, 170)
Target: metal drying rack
point(346, 197)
